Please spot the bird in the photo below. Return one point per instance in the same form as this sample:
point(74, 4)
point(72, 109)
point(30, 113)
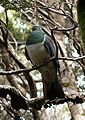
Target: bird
point(81, 18)
point(39, 48)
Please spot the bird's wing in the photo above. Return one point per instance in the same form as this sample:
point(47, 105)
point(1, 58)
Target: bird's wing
point(51, 49)
point(49, 45)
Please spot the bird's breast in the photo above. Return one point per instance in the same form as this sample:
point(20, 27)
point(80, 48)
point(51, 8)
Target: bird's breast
point(37, 53)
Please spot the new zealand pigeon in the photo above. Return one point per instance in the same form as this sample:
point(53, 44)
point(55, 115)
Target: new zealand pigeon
point(39, 48)
point(81, 18)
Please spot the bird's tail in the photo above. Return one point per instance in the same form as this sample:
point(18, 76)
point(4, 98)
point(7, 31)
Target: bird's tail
point(53, 90)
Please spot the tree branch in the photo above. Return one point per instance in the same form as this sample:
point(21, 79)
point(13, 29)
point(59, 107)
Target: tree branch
point(18, 101)
point(41, 65)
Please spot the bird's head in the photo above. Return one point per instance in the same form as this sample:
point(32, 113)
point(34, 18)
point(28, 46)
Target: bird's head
point(35, 27)
point(35, 36)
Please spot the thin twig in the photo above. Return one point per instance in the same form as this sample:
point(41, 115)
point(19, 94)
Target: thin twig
point(41, 65)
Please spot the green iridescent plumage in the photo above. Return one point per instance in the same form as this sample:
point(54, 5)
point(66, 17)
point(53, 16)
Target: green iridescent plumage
point(36, 36)
point(81, 18)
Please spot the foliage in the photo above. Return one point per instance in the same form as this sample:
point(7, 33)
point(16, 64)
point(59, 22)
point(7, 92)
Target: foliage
point(14, 4)
point(17, 26)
